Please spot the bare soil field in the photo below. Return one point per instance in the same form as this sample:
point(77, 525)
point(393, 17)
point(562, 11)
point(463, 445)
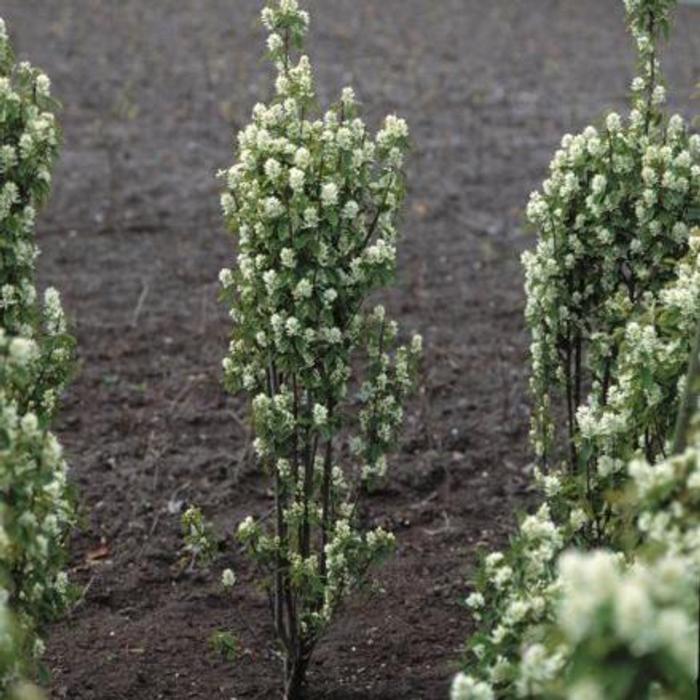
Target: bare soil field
point(152, 95)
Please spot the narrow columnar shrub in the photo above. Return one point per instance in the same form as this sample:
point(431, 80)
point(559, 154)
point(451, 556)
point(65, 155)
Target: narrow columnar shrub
point(29, 140)
point(613, 290)
point(613, 219)
point(313, 201)
point(513, 596)
point(613, 304)
point(35, 358)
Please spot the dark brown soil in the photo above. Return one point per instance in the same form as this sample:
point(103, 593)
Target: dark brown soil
point(152, 93)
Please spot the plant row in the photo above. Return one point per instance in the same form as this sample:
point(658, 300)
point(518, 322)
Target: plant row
point(36, 511)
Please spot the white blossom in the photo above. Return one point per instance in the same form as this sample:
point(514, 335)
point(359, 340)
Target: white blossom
point(329, 194)
point(228, 578)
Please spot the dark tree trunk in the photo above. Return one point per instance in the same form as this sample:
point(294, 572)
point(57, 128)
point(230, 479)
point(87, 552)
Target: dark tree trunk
point(295, 677)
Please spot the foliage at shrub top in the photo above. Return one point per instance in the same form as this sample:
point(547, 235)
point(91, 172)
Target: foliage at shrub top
point(35, 359)
point(613, 305)
point(313, 202)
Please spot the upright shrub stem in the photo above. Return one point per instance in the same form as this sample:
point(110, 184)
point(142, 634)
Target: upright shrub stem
point(688, 406)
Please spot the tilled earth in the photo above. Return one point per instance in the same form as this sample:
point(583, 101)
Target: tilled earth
point(152, 95)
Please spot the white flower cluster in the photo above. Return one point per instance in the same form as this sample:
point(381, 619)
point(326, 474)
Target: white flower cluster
point(228, 578)
point(647, 609)
point(467, 688)
point(313, 200)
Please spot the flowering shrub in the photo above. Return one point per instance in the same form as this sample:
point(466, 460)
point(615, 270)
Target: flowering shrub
point(314, 202)
point(35, 358)
point(198, 537)
point(29, 141)
point(613, 305)
point(614, 219)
